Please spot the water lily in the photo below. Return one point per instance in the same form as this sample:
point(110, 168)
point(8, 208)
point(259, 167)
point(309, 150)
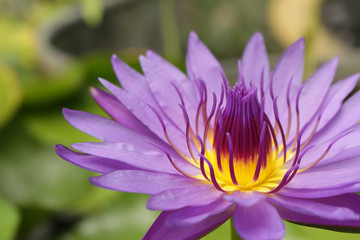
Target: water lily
point(269, 148)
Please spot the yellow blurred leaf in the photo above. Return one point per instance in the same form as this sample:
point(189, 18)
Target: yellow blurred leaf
point(18, 43)
point(10, 93)
point(92, 11)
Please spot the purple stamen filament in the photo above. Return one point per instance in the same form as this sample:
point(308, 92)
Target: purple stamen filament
point(240, 148)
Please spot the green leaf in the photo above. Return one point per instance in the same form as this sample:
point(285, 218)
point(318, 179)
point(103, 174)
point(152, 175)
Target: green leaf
point(51, 128)
point(127, 219)
point(44, 89)
point(92, 11)
point(9, 220)
point(222, 232)
point(294, 231)
point(42, 179)
point(19, 45)
point(10, 93)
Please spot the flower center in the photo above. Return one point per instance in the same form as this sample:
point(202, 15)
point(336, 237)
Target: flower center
point(237, 148)
point(244, 155)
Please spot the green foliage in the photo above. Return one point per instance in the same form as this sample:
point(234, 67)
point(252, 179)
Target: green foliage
point(125, 219)
point(40, 177)
point(298, 232)
point(44, 90)
point(33, 178)
point(92, 11)
point(9, 220)
point(10, 93)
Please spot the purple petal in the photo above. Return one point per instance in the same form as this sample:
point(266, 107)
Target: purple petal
point(139, 96)
point(338, 174)
point(136, 106)
point(159, 230)
point(343, 143)
point(100, 127)
point(344, 159)
point(314, 92)
point(289, 69)
point(245, 199)
point(183, 197)
point(259, 221)
point(202, 65)
point(348, 116)
point(141, 181)
point(346, 154)
point(338, 92)
point(320, 192)
point(140, 155)
point(336, 208)
point(117, 110)
point(254, 61)
point(350, 201)
point(164, 92)
point(315, 89)
point(290, 65)
point(147, 116)
point(193, 215)
point(187, 87)
point(132, 81)
point(92, 163)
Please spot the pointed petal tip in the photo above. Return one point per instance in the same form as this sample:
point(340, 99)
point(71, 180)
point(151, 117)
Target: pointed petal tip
point(150, 53)
point(331, 63)
point(193, 34)
point(66, 111)
point(336, 59)
point(114, 57)
point(297, 46)
point(62, 151)
point(93, 90)
point(357, 76)
point(76, 146)
point(115, 60)
point(334, 62)
point(96, 93)
point(142, 58)
point(257, 36)
point(301, 40)
point(150, 207)
point(193, 38)
point(59, 148)
point(94, 181)
point(300, 43)
point(144, 62)
point(103, 81)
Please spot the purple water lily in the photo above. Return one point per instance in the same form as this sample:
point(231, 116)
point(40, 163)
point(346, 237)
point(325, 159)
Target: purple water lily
point(268, 148)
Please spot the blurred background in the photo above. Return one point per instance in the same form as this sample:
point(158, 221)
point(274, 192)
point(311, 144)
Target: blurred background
point(51, 51)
